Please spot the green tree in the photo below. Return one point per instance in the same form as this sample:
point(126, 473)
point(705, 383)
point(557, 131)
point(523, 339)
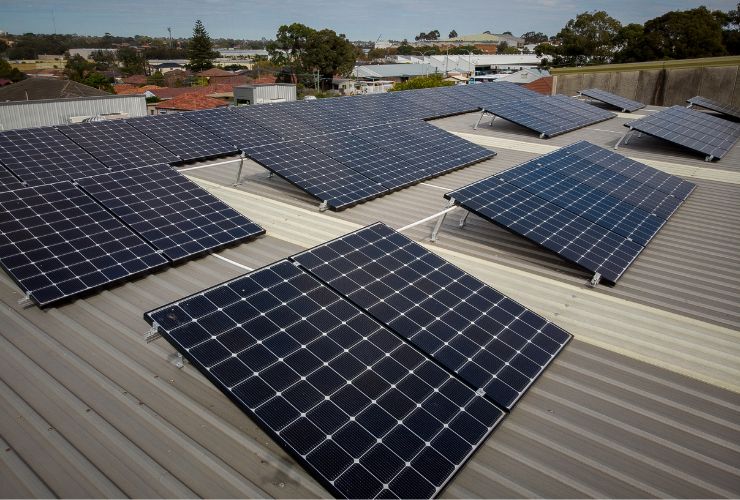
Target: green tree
point(464, 49)
point(9, 72)
point(99, 81)
point(156, 78)
point(590, 38)
point(534, 37)
point(131, 61)
point(77, 68)
point(289, 44)
point(505, 48)
point(731, 31)
point(422, 82)
point(453, 34)
point(683, 35)
point(630, 42)
point(104, 59)
point(200, 49)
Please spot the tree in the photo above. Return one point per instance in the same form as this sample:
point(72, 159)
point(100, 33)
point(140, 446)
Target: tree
point(200, 49)
point(156, 78)
point(453, 34)
point(507, 33)
point(9, 72)
point(104, 59)
point(99, 81)
point(131, 61)
point(290, 44)
point(590, 38)
point(534, 37)
point(432, 35)
point(630, 42)
point(684, 34)
point(505, 48)
point(731, 31)
point(77, 68)
point(328, 54)
point(464, 49)
point(422, 82)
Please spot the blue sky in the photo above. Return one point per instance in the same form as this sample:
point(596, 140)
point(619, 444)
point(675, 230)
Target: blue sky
point(359, 20)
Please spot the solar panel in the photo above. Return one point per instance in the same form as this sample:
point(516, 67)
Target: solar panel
point(174, 214)
point(714, 106)
point(117, 144)
point(56, 242)
point(232, 127)
point(572, 237)
point(487, 339)
point(8, 181)
point(44, 156)
point(550, 115)
point(694, 130)
point(319, 175)
point(182, 137)
point(365, 413)
point(275, 118)
point(438, 105)
point(619, 102)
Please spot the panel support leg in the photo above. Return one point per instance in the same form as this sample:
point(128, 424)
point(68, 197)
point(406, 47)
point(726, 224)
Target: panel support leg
point(623, 139)
point(440, 220)
point(239, 171)
point(482, 112)
point(464, 218)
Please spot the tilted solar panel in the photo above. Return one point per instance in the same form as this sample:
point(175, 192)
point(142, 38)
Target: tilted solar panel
point(232, 127)
point(626, 105)
point(487, 339)
point(278, 120)
point(714, 106)
point(364, 412)
point(550, 115)
point(8, 181)
point(168, 210)
point(56, 242)
point(701, 132)
point(182, 137)
point(45, 155)
point(316, 173)
point(117, 144)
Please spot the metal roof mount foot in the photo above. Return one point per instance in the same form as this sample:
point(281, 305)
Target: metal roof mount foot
point(542, 135)
point(323, 206)
point(25, 301)
point(153, 334)
point(464, 218)
point(595, 280)
point(709, 158)
point(270, 175)
point(177, 360)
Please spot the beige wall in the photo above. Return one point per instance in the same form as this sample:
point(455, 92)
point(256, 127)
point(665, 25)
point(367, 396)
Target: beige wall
point(662, 87)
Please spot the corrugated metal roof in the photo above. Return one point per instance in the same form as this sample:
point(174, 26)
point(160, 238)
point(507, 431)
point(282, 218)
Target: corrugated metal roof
point(644, 401)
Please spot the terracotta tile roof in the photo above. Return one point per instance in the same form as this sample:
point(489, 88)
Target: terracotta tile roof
point(191, 102)
point(542, 85)
point(132, 89)
point(215, 72)
point(135, 79)
point(170, 92)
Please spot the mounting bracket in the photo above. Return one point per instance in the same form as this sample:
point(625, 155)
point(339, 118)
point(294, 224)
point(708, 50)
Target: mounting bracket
point(464, 218)
point(624, 139)
point(26, 300)
point(323, 206)
point(482, 113)
point(440, 220)
point(238, 181)
point(595, 280)
point(153, 334)
point(177, 360)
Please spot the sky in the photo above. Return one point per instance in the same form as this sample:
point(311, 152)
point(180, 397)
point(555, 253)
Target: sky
point(359, 20)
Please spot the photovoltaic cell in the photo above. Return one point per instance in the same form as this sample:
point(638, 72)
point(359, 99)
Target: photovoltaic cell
point(117, 144)
point(232, 127)
point(316, 173)
point(56, 242)
point(550, 115)
point(572, 237)
point(694, 130)
point(714, 106)
point(182, 137)
point(8, 181)
point(174, 214)
point(487, 339)
point(44, 156)
point(626, 105)
point(362, 410)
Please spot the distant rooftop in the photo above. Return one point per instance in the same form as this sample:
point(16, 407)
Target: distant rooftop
point(33, 89)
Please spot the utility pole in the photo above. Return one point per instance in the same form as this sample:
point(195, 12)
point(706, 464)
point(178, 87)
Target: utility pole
point(169, 30)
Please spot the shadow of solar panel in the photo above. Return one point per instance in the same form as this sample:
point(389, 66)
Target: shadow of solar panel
point(316, 173)
point(8, 181)
point(44, 155)
point(364, 412)
point(56, 242)
point(182, 137)
point(714, 106)
point(487, 339)
point(619, 102)
point(550, 115)
point(694, 130)
point(117, 144)
point(232, 127)
point(174, 214)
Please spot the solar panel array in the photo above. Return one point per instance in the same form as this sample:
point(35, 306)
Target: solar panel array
point(701, 132)
point(117, 144)
point(8, 181)
point(172, 213)
point(487, 339)
point(619, 102)
point(182, 137)
point(231, 126)
point(44, 156)
point(714, 106)
point(56, 242)
point(550, 115)
point(362, 410)
point(589, 205)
